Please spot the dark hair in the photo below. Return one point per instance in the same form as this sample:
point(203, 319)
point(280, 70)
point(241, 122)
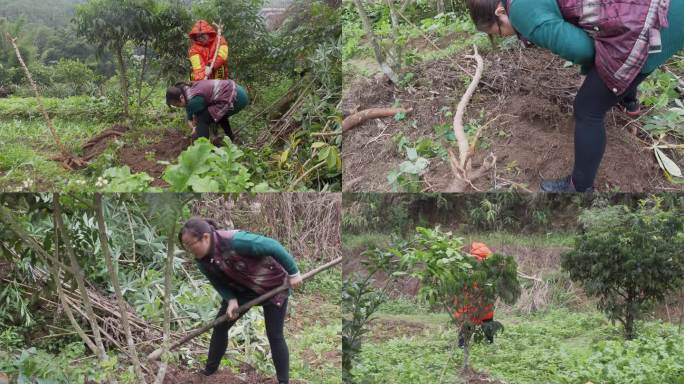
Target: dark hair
point(483, 13)
point(197, 226)
point(174, 92)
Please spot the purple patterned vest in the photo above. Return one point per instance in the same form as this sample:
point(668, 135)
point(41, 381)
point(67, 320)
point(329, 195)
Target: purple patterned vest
point(260, 274)
point(219, 95)
point(624, 33)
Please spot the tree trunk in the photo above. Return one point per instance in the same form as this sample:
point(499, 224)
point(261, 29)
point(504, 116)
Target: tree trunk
point(123, 78)
point(142, 74)
point(395, 49)
point(168, 274)
point(466, 354)
point(629, 325)
point(439, 4)
point(379, 56)
point(113, 275)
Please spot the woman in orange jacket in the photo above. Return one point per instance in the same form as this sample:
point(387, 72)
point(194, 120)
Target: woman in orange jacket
point(476, 315)
point(203, 50)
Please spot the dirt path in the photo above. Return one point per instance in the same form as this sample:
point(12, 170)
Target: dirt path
point(530, 91)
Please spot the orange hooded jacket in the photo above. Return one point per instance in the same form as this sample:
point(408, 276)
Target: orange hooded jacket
point(201, 54)
point(480, 251)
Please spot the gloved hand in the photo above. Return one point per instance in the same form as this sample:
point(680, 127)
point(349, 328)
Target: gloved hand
point(207, 72)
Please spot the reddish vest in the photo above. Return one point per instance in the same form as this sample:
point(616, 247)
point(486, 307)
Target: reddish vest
point(218, 94)
point(624, 31)
point(260, 274)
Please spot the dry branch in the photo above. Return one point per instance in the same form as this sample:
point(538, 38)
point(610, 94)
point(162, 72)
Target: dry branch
point(372, 113)
point(68, 160)
point(243, 308)
point(461, 165)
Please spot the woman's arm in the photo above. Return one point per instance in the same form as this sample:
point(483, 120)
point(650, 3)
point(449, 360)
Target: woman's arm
point(251, 244)
point(196, 105)
point(565, 40)
point(225, 292)
point(541, 22)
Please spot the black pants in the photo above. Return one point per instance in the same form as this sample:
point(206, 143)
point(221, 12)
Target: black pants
point(204, 121)
point(488, 335)
point(592, 103)
point(275, 320)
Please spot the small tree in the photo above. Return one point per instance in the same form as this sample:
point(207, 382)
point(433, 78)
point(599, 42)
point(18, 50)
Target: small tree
point(453, 280)
point(628, 258)
point(111, 24)
point(361, 298)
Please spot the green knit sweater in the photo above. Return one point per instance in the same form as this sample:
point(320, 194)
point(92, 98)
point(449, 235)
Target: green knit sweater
point(251, 245)
point(541, 22)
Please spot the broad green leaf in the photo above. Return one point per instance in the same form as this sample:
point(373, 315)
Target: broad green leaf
point(667, 164)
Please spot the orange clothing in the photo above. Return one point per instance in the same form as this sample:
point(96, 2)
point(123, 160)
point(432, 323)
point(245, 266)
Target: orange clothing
point(201, 54)
point(481, 252)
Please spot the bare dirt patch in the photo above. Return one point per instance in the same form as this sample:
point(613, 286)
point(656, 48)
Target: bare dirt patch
point(530, 93)
point(247, 375)
point(166, 146)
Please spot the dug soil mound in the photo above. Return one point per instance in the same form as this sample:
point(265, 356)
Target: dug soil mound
point(247, 375)
point(151, 152)
point(165, 148)
point(529, 92)
point(96, 145)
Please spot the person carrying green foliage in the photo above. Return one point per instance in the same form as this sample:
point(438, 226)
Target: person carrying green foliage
point(618, 44)
point(241, 266)
point(207, 102)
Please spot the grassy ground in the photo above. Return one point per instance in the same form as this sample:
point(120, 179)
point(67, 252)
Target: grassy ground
point(28, 146)
point(556, 346)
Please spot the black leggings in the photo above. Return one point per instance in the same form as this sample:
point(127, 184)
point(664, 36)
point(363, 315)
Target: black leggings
point(592, 102)
point(204, 121)
point(275, 320)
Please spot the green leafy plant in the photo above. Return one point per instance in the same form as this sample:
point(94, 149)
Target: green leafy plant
point(670, 121)
point(628, 258)
point(120, 179)
point(408, 176)
point(205, 168)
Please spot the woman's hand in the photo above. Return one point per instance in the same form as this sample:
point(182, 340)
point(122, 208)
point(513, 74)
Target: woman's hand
point(295, 281)
point(192, 126)
point(233, 309)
